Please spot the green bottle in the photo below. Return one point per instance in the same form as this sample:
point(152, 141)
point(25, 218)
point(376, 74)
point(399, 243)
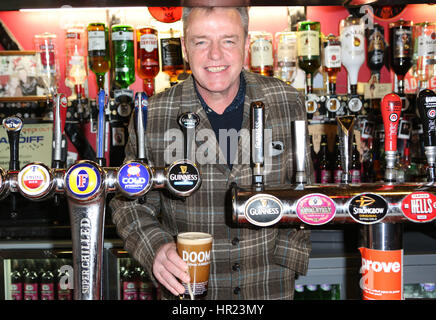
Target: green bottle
point(123, 55)
point(309, 49)
point(98, 51)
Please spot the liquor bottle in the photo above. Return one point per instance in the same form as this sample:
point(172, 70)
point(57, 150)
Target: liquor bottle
point(147, 61)
point(352, 36)
point(308, 49)
point(286, 56)
point(261, 53)
point(47, 282)
point(98, 51)
point(123, 55)
point(337, 167)
point(401, 50)
point(376, 51)
point(128, 283)
point(324, 171)
point(331, 60)
point(425, 43)
point(355, 170)
point(48, 66)
point(31, 282)
point(171, 54)
point(75, 66)
point(16, 282)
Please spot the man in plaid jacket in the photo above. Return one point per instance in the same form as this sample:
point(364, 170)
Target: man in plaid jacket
point(246, 263)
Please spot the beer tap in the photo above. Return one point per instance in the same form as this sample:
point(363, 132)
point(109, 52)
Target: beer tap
point(427, 112)
point(101, 128)
point(13, 126)
point(257, 143)
point(59, 117)
point(299, 140)
point(391, 110)
point(346, 132)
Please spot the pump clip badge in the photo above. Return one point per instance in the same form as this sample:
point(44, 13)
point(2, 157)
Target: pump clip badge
point(263, 210)
point(419, 207)
point(134, 178)
point(33, 180)
point(367, 208)
point(83, 180)
point(189, 120)
point(13, 123)
point(315, 209)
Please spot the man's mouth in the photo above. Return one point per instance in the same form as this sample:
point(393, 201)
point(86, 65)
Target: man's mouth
point(216, 69)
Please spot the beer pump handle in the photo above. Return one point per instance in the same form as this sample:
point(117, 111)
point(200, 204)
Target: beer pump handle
point(59, 117)
point(101, 128)
point(299, 134)
point(391, 111)
point(141, 109)
point(427, 112)
point(345, 133)
point(257, 142)
point(13, 126)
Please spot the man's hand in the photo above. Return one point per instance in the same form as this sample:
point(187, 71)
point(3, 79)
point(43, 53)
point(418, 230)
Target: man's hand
point(168, 266)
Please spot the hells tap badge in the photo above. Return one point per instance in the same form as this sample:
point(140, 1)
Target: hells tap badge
point(367, 208)
point(419, 207)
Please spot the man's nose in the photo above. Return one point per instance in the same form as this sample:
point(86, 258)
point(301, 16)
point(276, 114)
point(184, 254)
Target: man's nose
point(215, 51)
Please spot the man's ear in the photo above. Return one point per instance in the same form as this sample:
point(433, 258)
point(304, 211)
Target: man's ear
point(185, 53)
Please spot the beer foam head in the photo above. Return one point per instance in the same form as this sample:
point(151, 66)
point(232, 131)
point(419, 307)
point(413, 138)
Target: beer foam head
point(188, 238)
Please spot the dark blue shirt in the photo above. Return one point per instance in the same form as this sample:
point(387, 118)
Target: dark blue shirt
point(230, 119)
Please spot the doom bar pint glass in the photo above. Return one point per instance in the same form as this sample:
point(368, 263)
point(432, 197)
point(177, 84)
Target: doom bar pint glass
point(194, 248)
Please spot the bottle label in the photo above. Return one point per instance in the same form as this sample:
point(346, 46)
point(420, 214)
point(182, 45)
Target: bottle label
point(308, 43)
point(64, 294)
point(96, 40)
point(325, 176)
point(17, 291)
point(287, 51)
point(261, 53)
point(171, 51)
point(353, 44)
point(122, 36)
point(402, 42)
point(332, 57)
point(355, 176)
point(129, 291)
point(427, 44)
point(145, 290)
point(30, 291)
point(148, 42)
point(47, 291)
point(337, 176)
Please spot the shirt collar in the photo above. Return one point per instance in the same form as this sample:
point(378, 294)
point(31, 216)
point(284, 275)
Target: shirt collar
point(237, 102)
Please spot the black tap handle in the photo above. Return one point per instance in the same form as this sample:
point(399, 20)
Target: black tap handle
point(13, 126)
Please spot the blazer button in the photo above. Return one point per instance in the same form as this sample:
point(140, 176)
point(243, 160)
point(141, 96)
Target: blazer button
point(236, 267)
point(235, 241)
point(236, 290)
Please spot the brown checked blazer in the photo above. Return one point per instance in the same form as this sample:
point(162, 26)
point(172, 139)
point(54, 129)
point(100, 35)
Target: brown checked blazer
point(249, 262)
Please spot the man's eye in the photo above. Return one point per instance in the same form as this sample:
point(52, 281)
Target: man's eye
point(200, 43)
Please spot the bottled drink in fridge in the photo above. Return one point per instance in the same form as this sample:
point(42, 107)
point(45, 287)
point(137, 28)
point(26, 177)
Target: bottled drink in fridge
point(16, 282)
point(47, 282)
point(286, 56)
point(128, 283)
point(261, 53)
point(324, 170)
point(299, 292)
point(123, 55)
point(147, 61)
point(401, 50)
point(31, 282)
point(98, 51)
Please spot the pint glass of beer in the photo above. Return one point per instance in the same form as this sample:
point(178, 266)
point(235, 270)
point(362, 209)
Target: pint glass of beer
point(194, 248)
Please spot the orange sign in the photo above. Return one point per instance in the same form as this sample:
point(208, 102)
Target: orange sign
point(382, 277)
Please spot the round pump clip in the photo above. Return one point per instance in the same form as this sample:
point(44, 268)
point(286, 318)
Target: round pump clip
point(83, 181)
point(134, 179)
point(182, 178)
point(35, 181)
